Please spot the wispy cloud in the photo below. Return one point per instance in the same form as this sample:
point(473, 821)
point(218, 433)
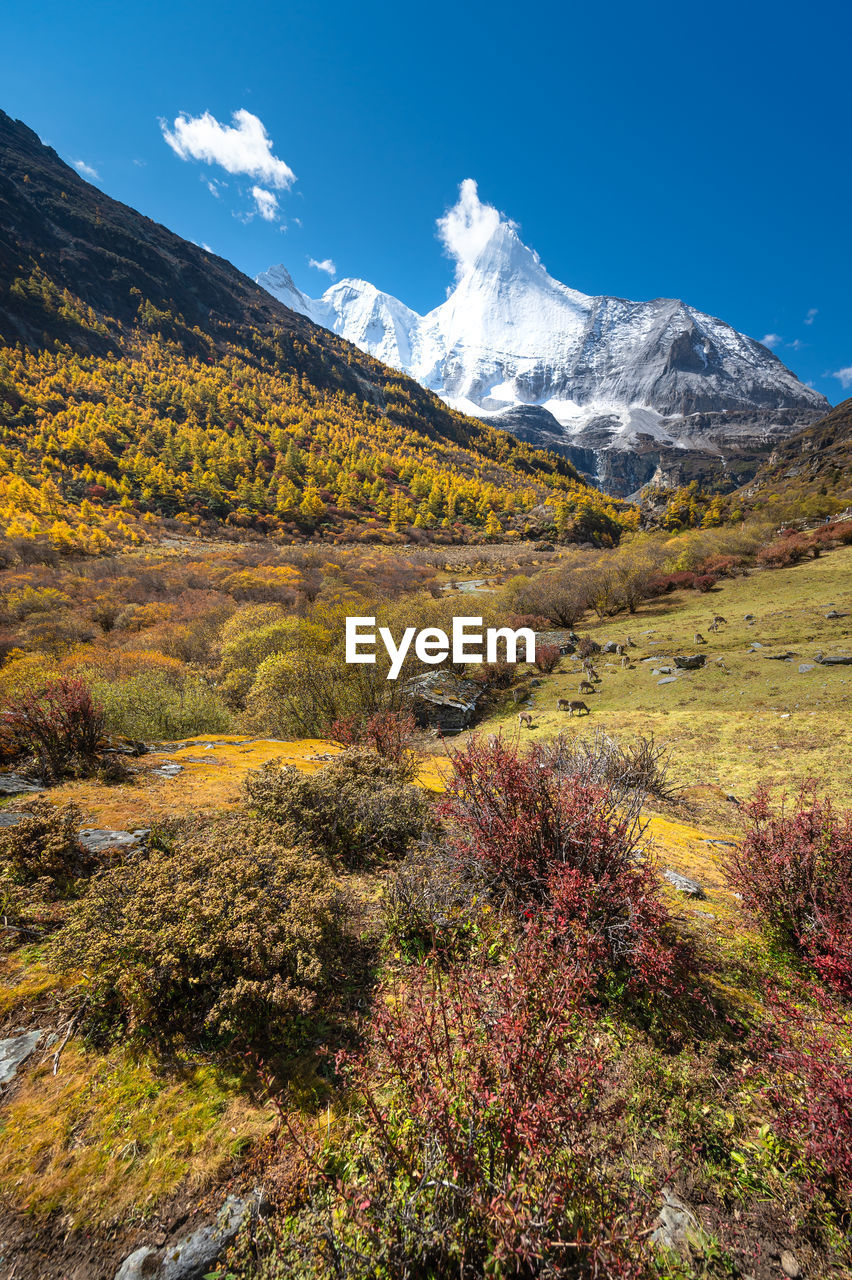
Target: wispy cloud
point(266, 202)
point(812, 315)
point(772, 340)
point(844, 376)
point(466, 228)
point(87, 170)
point(325, 265)
point(243, 147)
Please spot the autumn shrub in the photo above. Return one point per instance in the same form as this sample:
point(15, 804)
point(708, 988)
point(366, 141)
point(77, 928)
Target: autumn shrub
point(41, 863)
point(221, 934)
point(641, 765)
point(563, 845)
point(359, 806)
point(489, 1139)
point(785, 551)
point(156, 705)
point(388, 733)
point(547, 657)
point(61, 724)
point(722, 566)
point(587, 647)
point(704, 582)
point(793, 871)
point(431, 902)
point(662, 583)
point(804, 1058)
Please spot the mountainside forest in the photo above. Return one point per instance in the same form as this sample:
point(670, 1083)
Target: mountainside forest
point(143, 379)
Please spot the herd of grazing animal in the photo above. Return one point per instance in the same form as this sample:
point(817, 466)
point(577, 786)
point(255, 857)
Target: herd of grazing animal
point(591, 677)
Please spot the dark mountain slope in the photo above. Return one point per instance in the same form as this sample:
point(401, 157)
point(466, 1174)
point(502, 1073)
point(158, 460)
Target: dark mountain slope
point(816, 459)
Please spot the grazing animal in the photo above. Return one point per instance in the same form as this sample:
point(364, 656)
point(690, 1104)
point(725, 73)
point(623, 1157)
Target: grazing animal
point(586, 686)
point(632, 643)
point(619, 649)
point(625, 661)
point(518, 695)
point(698, 638)
point(717, 618)
point(571, 705)
point(525, 718)
point(714, 626)
point(492, 741)
point(590, 671)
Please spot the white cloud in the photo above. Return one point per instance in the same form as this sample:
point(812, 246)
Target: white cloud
point(844, 376)
point(812, 315)
point(772, 339)
point(241, 147)
point(796, 344)
point(466, 228)
point(266, 202)
point(326, 265)
point(86, 170)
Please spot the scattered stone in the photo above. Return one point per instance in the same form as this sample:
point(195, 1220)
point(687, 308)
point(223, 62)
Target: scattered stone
point(832, 613)
point(10, 819)
point(14, 1052)
point(723, 844)
point(100, 839)
point(790, 1265)
point(15, 784)
point(755, 644)
point(609, 647)
point(191, 1257)
point(684, 884)
point(837, 660)
point(779, 657)
point(749, 617)
point(668, 680)
point(805, 667)
point(689, 661)
point(170, 769)
point(674, 1222)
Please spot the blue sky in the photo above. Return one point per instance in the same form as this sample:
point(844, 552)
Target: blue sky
point(670, 149)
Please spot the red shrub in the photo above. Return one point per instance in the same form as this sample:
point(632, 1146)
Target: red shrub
point(535, 621)
point(60, 725)
point(704, 582)
point(789, 549)
point(810, 1089)
point(722, 566)
point(661, 583)
point(565, 849)
point(547, 657)
point(489, 1107)
point(388, 733)
point(794, 872)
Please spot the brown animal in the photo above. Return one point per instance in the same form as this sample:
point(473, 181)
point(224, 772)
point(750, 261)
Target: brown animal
point(714, 626)
point(698, 638)
point(625, 661)
point(571, 705)
point(492, 742)
point(586, 686)
point(590, 671)
point(619, 649)
point(717, 617)
point(631, 643)
point(525, 718)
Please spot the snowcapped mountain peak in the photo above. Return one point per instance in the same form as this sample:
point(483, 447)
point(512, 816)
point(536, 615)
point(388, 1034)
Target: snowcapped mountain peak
point(510, 339)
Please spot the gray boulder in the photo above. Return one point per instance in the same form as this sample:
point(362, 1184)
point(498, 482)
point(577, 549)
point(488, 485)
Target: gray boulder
point(684, 884)
point(100, 839)
point(14, 1052)
point(191, 1257)
point(836, 660)
point(674, 1223)
point(689, 661)
point(15, 784)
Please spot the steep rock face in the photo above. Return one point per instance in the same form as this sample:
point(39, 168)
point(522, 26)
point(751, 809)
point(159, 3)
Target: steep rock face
point(511, 343)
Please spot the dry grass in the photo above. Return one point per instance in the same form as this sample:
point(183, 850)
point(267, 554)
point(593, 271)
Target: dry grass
point(112, 1136)
point(751, 721)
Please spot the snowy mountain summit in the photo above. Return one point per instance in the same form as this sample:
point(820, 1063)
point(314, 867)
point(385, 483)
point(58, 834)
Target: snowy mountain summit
point(624, 388)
